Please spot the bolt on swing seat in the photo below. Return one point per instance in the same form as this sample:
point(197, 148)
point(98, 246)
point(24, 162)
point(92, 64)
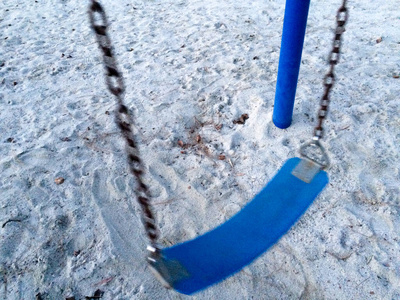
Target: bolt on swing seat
point(214, 256)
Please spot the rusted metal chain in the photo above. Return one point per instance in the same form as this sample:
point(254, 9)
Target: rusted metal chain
point(124, 119)
point(329, 79)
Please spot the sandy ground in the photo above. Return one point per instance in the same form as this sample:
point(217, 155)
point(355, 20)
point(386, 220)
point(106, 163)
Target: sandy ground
point(191, 66)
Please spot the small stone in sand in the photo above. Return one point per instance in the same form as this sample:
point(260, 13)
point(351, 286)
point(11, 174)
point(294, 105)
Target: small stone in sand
point(59, 180)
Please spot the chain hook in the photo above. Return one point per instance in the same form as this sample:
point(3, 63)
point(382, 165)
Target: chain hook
point(315, 152)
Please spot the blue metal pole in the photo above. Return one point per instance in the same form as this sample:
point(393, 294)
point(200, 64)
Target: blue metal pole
point(294, 29)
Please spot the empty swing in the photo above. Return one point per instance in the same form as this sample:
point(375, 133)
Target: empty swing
point(196, 264)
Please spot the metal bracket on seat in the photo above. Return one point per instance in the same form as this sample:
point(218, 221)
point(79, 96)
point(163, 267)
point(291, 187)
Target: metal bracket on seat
point(306, 170)
point(314, 159)
point(166, 271)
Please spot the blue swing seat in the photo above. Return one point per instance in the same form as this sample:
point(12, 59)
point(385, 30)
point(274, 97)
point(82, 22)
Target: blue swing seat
point(196, 264)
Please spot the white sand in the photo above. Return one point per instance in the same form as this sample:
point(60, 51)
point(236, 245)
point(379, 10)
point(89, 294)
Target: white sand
point(182, 61)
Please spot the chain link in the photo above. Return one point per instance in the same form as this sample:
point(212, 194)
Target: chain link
point(329, 79)
point(123, 119)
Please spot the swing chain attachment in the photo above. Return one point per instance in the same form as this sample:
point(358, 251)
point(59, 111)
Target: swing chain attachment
point(124, 120)
point(315, 152)
point(329, 79)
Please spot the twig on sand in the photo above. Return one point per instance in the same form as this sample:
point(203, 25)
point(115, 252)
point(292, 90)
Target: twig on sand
point(363, 281)
point(104, 281)
point(11, 220)
point(230, 162)
point(340, 257)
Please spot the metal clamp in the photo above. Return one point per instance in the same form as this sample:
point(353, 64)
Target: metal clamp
point(315, 152)
point(167, 271)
